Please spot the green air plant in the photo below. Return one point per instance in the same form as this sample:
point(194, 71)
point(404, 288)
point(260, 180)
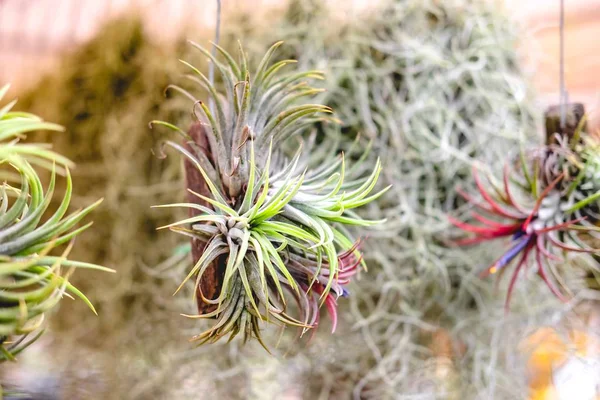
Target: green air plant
point(34, 271)
point(266, 227)
point(548, 204)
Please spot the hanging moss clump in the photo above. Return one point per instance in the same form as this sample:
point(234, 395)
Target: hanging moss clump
point(437, 88)
point(104, 94)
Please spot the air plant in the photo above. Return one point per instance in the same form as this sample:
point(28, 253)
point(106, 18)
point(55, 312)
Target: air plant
point(273, 227)
point(547, 205)
point(33, 278)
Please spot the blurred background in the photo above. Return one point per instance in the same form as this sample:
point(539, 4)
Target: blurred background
point(100, 68)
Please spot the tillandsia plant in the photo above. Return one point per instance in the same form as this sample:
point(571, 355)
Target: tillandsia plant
point(33, 278)
point(266, 228)
point(547, 204)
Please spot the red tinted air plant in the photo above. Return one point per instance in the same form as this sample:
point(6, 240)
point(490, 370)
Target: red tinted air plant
point(266, 226)
point(546, 205)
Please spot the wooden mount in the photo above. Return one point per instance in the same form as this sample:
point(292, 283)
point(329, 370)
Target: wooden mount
point(574, 114)
point(212, 279)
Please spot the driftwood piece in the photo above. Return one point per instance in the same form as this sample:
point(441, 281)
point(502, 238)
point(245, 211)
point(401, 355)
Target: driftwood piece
point(574, 114)
point(210, 284)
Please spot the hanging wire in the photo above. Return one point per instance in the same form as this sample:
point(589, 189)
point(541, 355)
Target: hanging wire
point(564, 95)
point(211, 68)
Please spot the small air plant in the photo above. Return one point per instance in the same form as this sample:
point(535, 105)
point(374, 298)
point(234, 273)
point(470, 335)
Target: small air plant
point(32, 278)
point(547, 204)
point(265, 227)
